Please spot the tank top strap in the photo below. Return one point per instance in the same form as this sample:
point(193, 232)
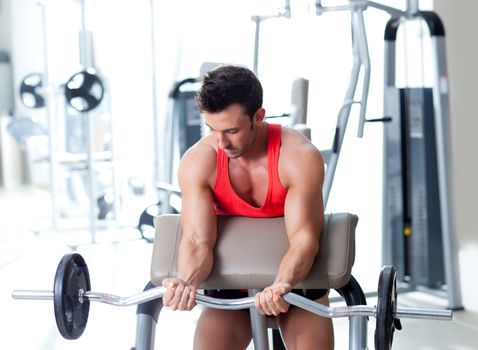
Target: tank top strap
point(221, 168)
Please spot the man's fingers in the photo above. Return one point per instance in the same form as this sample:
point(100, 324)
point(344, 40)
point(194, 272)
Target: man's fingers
point(257, 302)
point(183, 299)
point(188, 299)
point(266, 302)
point(192, 299)
point(178, 293)
point(282, 305)
point(273, 303)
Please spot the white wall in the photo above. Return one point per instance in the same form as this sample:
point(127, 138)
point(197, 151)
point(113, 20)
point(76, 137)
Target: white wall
point(461, 28)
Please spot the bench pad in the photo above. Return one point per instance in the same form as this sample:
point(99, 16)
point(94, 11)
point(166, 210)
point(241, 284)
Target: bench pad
point(249, 250)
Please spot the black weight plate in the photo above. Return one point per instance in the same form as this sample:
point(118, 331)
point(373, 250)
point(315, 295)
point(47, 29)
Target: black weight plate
point(71, 313)
point(29, 91)
point(84, 91)
point(386, 306)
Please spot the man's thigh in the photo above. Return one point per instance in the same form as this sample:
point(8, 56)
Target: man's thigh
point(303, 330)
point(222, 329)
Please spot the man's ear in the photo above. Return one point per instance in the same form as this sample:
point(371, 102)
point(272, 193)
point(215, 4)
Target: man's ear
point(259, 116)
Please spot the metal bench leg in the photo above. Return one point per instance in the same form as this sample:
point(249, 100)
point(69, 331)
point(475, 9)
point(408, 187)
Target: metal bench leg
point(259, 327)
point(354, 295)
point(358, 332)
point(146, 320)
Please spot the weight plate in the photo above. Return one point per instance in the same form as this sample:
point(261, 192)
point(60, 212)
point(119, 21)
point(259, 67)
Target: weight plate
point(386, 307)
point(29, 91)
point(84, 91)
point(71, 313)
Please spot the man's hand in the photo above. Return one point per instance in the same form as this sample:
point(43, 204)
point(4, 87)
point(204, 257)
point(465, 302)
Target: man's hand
point(270, 301)
point(179, 295)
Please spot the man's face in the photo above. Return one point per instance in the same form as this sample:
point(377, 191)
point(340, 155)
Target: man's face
point(232, 129)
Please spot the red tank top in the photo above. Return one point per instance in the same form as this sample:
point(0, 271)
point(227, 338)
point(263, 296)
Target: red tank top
point(228, 202)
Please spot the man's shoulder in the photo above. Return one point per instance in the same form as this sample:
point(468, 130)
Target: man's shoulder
point(198, 164)
point(202, 150)
point(294, 142)
point(299, 160)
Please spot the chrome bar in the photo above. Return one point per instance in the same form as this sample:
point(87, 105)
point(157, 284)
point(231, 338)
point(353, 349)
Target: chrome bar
point(326, 311)
point(390, 10)
point(32, 294)
point(443, 315)
point(319, 9)
point(140, 298)
point(354, 4)
point(359, 30)
point(242, 303)
point(226, 304)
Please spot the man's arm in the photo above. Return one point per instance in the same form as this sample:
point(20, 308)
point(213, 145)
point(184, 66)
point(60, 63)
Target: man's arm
point(198, 221)
point(303, 218)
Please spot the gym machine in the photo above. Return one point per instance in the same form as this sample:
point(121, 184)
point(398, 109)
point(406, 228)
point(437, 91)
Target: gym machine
point(183, 129)
point(281, 13)
point(71, 145)
point(418, 228)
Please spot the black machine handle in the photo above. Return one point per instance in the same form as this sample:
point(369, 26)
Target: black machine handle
point(177, 86)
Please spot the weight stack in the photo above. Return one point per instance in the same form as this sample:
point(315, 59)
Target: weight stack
point(412, 223)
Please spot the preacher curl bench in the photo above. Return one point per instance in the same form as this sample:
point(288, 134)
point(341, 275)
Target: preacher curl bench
point(247, 255)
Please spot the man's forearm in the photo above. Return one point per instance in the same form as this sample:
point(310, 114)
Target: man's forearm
point(296, 263)
point(194, 262)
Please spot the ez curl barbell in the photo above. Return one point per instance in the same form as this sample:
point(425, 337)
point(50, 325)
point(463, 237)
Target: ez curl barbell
point(72, 294)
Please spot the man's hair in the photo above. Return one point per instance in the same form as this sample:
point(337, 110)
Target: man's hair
point(227, 85)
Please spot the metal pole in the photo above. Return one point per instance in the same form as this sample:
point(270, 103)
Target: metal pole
point(259, 326)
point(51, 115)
point(256, 19)
point(361, 35)
point(286, 13)
point(445, 183)
point(357, 332)
point(89, 127)
point(342, 120)
point(412, 6)
point(154, 91)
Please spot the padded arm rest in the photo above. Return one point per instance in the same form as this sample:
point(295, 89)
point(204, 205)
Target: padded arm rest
point(249, 250)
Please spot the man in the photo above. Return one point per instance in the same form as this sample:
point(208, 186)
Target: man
point(248, 167)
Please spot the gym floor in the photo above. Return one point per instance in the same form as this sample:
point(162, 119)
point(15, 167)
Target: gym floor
point(119, 264)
